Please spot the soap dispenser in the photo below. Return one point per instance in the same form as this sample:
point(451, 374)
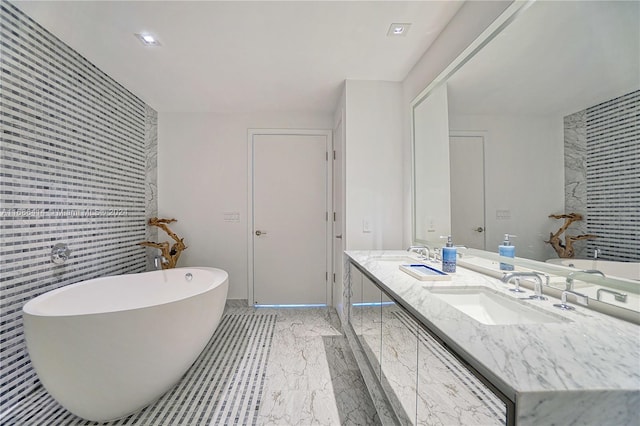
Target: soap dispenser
point(506, 250)
point(449, 256)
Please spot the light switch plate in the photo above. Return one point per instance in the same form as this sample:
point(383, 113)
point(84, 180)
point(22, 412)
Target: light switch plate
point(503, 214)
point(231, 217)
point(366, 225)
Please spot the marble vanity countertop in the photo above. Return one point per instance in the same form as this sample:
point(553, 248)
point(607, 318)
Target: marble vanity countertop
point(589, 357)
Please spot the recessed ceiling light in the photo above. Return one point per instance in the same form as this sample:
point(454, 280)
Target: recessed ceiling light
point(398, 30)
point(148, 39)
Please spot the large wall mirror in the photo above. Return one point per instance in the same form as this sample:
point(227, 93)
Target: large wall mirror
point(514, 133)
point(494, 143)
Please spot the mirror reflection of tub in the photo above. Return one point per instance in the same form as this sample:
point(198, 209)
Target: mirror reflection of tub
point(626, 273)
point(617, 295)
point(627, 270)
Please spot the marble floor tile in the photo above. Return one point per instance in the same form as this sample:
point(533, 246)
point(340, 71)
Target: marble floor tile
point(312, 377)
point(300, 372)
point(315, 407)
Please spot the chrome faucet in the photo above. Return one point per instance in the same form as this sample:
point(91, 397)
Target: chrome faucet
point(422, 251)
point(596, 253)
point(620, 297)
point(582, 299)
point(436, 254)
point(538, 284)
point(60, 253)
point(459, 253)
point(158, 261)
point(570, 277)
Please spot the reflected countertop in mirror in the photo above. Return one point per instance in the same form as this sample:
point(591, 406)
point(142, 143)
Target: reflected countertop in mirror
point(616, 295)
point(525, 109)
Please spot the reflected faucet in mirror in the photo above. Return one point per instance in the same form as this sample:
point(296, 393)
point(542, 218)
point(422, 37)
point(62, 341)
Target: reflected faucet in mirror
point(620, 297)
point(571, 276)
point(423, 251)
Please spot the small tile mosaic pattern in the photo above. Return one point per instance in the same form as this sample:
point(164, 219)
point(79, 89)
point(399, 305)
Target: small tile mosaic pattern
point(74, 159)
point(223, 387)
point(602, 177)
point(613, 177)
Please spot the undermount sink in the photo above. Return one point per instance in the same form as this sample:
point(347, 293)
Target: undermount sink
point(489, 307)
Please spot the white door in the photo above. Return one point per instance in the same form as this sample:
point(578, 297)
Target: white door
point(290, 223)
point(466, 157)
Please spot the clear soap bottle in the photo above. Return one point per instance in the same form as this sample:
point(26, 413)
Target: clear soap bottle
point(449, 256)
point(506, 250)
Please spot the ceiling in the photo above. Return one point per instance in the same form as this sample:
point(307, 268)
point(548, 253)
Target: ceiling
point(555, 58)
point(241, 56)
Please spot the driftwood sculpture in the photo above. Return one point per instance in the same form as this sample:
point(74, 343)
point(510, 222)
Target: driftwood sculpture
point(170, 255)
point(566, 250)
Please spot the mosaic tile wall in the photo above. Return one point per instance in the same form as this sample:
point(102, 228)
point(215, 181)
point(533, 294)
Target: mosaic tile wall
point(77, 166)
point(602, 176)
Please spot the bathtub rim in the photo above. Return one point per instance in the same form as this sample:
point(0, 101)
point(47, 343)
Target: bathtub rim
point(31, 306)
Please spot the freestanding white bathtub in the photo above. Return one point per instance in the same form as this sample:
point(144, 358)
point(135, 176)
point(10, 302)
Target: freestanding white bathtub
point(107, 347)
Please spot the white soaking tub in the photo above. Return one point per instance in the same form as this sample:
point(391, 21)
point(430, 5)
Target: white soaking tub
point(107, 347)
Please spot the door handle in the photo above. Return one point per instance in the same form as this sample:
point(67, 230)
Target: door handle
point(258, 233)
point(339, 236)
point(479, 229)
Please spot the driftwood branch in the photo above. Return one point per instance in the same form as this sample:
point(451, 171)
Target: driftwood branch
point(170, 254)
point(566, 250)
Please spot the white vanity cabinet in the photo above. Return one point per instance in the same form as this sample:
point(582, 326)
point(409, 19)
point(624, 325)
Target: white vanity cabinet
point(355, 301)
point(399, 369)
point(423, 382)
point(365, 316)
point(371, 337)
point(449, 393)
point(429, 362)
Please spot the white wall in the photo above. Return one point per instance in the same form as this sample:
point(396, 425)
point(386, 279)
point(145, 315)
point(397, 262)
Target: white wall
point(202, 173)
point(524, 173)
point(374, 161)
point(202, 160)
